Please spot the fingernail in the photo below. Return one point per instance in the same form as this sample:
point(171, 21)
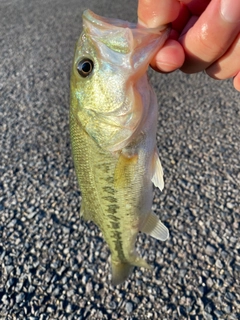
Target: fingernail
point(141, 23)
point(159, 27)
point(230, 10)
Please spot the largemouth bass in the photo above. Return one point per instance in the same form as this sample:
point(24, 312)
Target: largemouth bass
point(113, 123)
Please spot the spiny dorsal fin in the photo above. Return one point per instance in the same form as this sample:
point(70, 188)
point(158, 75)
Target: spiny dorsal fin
point(155, 228)
point(157, 178)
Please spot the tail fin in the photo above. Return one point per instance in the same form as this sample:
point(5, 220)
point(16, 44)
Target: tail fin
point(120, 272)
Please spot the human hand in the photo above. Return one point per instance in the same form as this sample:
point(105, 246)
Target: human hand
point(207, 33)
point(154, 14)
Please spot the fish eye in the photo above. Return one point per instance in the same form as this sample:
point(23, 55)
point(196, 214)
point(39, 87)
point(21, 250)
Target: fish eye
point(85, 67)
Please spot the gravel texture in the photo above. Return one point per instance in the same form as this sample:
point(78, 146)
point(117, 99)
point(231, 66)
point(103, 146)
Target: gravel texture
point(55, 266)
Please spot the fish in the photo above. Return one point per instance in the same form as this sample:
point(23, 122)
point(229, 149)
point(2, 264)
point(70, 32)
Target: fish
point(113, 124)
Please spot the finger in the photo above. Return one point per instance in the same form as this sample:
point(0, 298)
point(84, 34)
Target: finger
point(155, 13)
point(191, 22)
point(229, 64)
point(197, 7)
point(211, 35)
point(169, 58)
point(194, 8)
point(236, 82)
point(182, 18)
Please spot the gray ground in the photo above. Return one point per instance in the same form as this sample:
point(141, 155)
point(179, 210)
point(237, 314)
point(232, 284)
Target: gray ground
point(54, 266)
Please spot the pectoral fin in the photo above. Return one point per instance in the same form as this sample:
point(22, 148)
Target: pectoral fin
point(155, 228)
point(157, 178)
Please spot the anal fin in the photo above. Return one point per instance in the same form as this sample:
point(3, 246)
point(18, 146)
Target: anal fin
point(155, 228)
point(157, 178)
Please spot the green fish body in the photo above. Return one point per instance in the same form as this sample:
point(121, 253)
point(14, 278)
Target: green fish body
point(113, 123)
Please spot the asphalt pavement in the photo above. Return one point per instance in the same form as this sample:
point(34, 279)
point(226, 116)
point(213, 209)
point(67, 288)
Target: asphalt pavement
point(55, 266)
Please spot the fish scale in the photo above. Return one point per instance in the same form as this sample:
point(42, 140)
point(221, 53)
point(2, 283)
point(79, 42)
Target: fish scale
point(113, 123)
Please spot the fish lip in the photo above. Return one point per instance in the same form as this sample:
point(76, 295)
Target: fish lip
point(100, 21)
point(141, 42)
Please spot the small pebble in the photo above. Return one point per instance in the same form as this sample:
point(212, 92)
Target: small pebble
point(210, 250)
point(20, 297)
point(89, 287)
point(129, 307)
point(219, 264)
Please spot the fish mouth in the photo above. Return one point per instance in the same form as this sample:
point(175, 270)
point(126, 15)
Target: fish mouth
point(125, 37)
point(100, 21)
point(104, 22)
